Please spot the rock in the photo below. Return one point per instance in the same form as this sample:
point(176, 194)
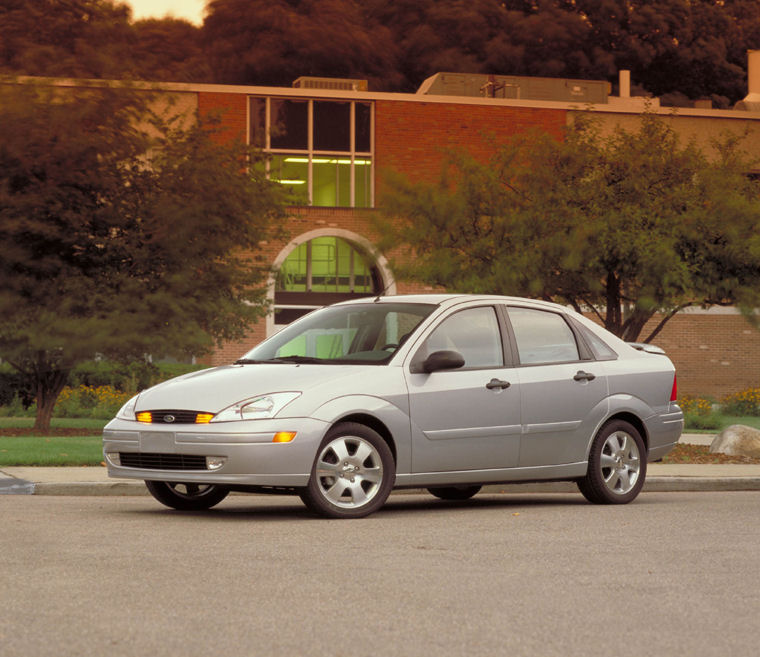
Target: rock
point(737, 440)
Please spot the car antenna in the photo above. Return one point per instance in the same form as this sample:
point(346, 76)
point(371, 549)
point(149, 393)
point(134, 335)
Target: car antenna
point(382, 294)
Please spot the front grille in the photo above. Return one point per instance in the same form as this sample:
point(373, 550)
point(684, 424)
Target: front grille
point(146, 461)
point(171, 416)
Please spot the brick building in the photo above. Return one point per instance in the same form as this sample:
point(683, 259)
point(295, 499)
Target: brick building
point(331, 140)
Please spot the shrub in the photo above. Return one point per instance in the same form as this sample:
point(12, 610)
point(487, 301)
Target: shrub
point(16, 408)
point(100, 402)
point(695, 405)
point(746, 402)
point(702, 421)
point(127, 377)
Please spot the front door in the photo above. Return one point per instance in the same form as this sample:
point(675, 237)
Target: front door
point(467, 418)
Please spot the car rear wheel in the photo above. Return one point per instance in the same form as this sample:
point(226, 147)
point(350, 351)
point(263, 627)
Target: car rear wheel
point(352, 475)
point(617, 465)
point(454, 492)
point(186, 496)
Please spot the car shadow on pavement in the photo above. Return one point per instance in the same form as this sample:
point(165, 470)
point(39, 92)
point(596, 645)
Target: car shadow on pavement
point(284, 508)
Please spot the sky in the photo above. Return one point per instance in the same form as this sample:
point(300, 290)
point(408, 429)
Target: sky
point(191, 10)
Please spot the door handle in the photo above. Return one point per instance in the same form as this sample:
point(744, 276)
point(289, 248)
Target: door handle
point(584, 376)
point(497, 383)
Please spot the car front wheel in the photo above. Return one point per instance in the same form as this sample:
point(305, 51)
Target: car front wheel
point(617, 465)
point(186, 496)
point(352, 475)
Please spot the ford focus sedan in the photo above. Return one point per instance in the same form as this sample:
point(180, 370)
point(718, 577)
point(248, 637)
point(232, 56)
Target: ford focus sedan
point(443, 392)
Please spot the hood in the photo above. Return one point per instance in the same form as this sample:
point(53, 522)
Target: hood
point(215, 389)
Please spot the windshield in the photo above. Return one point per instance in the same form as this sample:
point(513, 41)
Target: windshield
point(358, 333)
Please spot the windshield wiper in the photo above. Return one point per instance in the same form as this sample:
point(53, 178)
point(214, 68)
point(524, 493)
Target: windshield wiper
point(296, 359)
point(280, 359)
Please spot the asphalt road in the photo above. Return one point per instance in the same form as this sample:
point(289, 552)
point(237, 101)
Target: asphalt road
point(671, 574)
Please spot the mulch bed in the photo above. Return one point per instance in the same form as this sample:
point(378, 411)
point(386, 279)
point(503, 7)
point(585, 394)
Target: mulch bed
point(685, 453)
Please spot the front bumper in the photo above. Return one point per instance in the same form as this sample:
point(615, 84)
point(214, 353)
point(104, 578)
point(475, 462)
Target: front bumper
point(250, 457)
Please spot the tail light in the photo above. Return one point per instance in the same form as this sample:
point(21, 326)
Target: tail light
point(674, 392)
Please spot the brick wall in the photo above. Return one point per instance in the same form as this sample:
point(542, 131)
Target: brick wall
point(232, 109)
point(412, 138)
point(714, 354)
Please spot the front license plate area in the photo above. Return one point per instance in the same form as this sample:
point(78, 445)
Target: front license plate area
point(156, 441)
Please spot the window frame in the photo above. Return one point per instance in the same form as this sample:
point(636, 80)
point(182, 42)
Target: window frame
point(356, 158)
point(420, 353)
point(584, 352)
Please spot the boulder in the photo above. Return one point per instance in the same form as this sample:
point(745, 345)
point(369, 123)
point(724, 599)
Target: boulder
point(737, 440)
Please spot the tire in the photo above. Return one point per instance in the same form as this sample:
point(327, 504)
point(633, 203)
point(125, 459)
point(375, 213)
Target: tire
point(187, 496)
point(617, 465)
point(352, 475)
point(454, 492)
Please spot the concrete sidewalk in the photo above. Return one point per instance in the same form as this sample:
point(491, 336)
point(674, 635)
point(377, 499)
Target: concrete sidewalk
point(660, 478)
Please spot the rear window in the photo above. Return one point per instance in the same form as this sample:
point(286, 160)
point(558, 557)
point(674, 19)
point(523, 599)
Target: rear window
point(542, 337)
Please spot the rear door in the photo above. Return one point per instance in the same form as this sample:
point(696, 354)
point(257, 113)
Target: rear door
point(563, 389)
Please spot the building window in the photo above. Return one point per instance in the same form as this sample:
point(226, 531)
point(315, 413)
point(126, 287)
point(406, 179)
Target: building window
point(320, 149)
point(319, 272)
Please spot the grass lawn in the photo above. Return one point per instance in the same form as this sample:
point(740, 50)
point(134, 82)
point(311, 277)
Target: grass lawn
point(75, 441)
point(51, 450)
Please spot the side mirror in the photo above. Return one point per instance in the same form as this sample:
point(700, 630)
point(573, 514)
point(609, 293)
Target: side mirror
point(442, 360)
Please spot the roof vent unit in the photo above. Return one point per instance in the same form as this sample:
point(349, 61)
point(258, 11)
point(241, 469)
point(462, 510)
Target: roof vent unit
point(338, 84)
point(516, 87)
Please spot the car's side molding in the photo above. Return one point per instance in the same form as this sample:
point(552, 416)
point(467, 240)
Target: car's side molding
point(566, 471)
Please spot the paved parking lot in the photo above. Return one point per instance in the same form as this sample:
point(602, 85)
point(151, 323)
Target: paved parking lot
point(540, 574)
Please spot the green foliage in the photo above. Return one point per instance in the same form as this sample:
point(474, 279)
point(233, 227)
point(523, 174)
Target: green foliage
point(14, 407)
point(695, 405)
point(122, 232)
point(11, 386)
point(102, 402)
point(127, 377)
point(703, 422)
point(746, 402)
point(625, 225)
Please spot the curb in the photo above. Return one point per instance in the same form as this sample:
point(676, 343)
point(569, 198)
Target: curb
point(137, 488)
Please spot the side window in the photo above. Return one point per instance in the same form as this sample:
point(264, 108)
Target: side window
point(542, 337)
point(600, 349)
point(474, 333)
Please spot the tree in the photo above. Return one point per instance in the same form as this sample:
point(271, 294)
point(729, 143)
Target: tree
point(77, 38)
point(121, 233)
point(624, 226)
point(273, 42)
point(168, 50)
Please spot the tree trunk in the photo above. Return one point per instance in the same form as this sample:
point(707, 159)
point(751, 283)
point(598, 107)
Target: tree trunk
point(48, 385)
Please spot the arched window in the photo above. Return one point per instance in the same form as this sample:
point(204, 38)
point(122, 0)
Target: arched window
point(321, 271)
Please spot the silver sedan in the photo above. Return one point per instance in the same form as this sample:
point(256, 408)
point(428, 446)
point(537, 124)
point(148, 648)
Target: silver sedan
point(445, 392)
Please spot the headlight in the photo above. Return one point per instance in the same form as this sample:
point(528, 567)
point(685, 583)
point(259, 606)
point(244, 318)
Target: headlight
point(127, 412)
point(256, 408)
